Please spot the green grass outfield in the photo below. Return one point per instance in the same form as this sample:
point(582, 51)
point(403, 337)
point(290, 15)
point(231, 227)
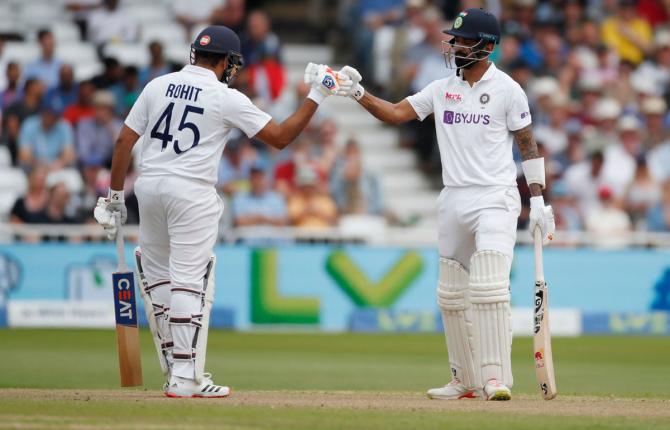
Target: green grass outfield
point(69, 379)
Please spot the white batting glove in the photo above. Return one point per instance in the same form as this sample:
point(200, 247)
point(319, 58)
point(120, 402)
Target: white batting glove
point(322, 80)
point(350, 85)
point(542, 217)
point(105, 210)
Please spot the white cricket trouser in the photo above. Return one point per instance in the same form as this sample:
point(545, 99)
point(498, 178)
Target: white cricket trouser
point(476, 219)
point(179, 221)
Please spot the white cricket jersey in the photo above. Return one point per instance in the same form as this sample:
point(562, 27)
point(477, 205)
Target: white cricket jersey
point(474, 126)
point(185, 118)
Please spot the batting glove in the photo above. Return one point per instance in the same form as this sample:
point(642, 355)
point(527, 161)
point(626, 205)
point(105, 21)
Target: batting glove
point(105, 210)
point(350, 85)
point(322, 80)
point(542, 217)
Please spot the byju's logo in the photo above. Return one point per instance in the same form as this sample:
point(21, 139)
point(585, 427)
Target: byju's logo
point(451, 117)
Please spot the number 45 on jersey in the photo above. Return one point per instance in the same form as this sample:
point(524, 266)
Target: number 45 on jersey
point(165, 137)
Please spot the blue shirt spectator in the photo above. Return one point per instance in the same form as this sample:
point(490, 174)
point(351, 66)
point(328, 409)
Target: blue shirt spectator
point(96, 136)
point(157, 66)
point(47, 67)
point(259, 206)
point(65, 93)
point(46, 139)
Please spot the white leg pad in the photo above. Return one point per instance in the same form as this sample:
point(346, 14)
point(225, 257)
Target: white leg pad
point(156, 297)
point(492, 317)
point(457, 321)
point(189, 324)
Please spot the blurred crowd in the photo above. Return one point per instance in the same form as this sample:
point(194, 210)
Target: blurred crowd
point(596, 72)
point(60, 132)
point(597, 75)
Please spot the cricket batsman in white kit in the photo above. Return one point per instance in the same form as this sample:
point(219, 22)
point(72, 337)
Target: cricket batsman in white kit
point(183, 120)
point(479, 112)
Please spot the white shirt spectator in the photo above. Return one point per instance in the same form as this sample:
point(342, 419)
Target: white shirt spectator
point(658, 160)
point(116, 26)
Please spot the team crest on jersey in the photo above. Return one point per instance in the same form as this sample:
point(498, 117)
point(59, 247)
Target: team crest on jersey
point(484, 98)
point(204, 40)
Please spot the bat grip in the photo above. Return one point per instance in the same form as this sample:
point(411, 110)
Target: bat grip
point(120, 251)
point(539, 269)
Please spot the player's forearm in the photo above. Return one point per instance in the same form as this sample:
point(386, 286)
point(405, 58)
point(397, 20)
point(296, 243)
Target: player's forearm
point(528, 148)
point(380, 109)
point(295, 124)
point(122, 156)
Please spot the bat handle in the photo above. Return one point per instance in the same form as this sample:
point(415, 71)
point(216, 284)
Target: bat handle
point(120, 251)
point(539, 269)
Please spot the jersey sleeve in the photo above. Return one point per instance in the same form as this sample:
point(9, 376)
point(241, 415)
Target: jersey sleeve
point(518, 112)
point(138, 117)
point(240, 113)
point(422, 102)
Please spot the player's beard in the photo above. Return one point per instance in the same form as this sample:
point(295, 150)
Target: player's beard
point(464, 63)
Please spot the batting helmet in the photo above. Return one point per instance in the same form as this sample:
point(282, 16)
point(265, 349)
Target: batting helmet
point(219, 39)
point(476, 24)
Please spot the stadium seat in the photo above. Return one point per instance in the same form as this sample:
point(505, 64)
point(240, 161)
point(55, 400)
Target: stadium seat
point(147, 13)
point(7, 200)
point(14, 181)
point(86, 71)
point(5, 158)
point(70, 177)
point(136, 54)
point(165, 32)
point(65, 32)
point(22, 52)
point(178, 52)
point(76, 53)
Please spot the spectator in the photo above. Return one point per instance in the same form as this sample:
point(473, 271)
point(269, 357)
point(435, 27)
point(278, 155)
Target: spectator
point(553, 135)
point(286, 172)
point(190, 13)
point(565, 208)
point(259, 206)
point(643, 193)
point(83, 107)
point(355, 190)
point(158, 66)
point(81, 10)
point(31, 207)
point(57, 210)
point(655, 12)
point(47, 68)
point(126, 91)
point(324, 153)
point(96, 136)
point(307, 206)
point(658, 217)
point(261, 50)
point(17, 112)
point(112, 74)
point(619, 168)
point(428, 56)
point(46, 139)
point(608, 224)
point(583, 180)
point(629, 35)
point(3, 64)
point(11, 92)
point(111, 24)
point(65, 93)
point(231, 14)
point(235, 166)
point(653, 110)
point(657, 69)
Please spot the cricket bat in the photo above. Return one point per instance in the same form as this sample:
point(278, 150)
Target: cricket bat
point(544, 362)
point(125, 313)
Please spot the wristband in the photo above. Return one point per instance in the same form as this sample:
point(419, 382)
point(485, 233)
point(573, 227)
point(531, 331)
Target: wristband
point(116, 196)
point(358, 92)
point(317, 96)
point(533, 170)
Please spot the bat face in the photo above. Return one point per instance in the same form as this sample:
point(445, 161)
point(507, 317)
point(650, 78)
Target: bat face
point(538, 314)
point(125, 311)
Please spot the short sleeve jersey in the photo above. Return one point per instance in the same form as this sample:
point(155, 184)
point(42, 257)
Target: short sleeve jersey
point(185, 118)
point(474, 126)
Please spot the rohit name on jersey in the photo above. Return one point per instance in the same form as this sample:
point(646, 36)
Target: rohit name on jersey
point(451, 117)
point(186, 92)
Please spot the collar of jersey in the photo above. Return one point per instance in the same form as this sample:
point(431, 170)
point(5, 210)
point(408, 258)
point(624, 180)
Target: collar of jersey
point(200, 71)
point(490, 72)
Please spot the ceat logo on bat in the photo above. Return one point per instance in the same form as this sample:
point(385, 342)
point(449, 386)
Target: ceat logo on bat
point(204, 40)
point(539, 358)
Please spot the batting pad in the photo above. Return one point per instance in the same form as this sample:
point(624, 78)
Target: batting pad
point(456, 319)
point(492, 317)
point(189, 325)
point(156, 297)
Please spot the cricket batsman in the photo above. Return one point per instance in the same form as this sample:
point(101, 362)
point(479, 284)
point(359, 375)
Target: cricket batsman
point(478, 112)
point(183, 121)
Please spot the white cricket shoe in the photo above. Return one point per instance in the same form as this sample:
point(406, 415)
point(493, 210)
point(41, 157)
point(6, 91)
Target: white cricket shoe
point(455, 390)
point(182, 387)
point(496, 390)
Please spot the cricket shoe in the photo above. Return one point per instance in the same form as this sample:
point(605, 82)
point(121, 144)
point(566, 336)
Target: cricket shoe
point(496, 390)
point(455, 390)
point(182, 387)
